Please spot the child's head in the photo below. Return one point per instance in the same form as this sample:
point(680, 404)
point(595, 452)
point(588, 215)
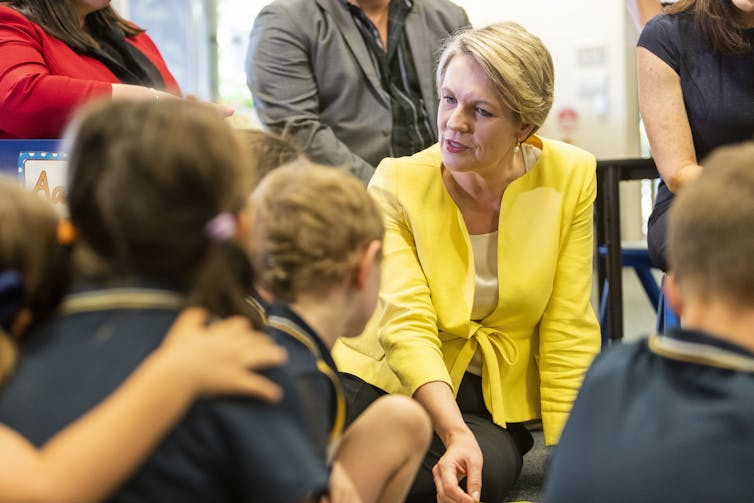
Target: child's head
point(268, 151)
point(156, 192)
point(315, 230)
point(711, 230)
point(33, 265)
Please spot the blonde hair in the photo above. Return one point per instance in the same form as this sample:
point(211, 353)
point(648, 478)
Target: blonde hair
point(28, 245)
point(309, 222)
point(711, 228)
point(516, 61)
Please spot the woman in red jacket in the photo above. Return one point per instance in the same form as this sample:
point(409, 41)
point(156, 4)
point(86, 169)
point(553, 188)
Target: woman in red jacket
point(57, 54)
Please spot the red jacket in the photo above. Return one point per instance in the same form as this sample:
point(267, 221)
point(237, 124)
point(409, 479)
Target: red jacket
point(43, 81)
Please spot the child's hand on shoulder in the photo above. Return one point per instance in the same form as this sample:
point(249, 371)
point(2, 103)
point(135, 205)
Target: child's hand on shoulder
point(220, 358)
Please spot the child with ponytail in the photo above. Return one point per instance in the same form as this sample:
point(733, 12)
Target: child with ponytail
point(156, 195)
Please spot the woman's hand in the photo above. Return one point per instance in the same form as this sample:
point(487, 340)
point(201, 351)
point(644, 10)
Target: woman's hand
point(462, 458)
point(342, 488)
point(219, 358)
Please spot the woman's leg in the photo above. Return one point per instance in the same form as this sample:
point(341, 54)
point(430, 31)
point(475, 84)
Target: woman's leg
point(382, 449)
point(502, 449)
point(502, 462)
point(359, 395)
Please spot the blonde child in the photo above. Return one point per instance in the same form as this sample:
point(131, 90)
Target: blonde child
point(317, 245)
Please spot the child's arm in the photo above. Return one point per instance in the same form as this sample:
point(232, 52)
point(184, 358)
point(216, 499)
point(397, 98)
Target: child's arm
point(92, 456)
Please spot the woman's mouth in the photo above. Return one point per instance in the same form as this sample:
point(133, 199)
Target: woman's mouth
point(454, 147)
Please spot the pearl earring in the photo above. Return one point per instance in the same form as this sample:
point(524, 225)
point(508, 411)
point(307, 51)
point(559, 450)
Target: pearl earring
point(517, 148)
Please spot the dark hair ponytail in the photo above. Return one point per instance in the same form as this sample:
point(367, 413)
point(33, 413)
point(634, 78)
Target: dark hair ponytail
point(146, 179)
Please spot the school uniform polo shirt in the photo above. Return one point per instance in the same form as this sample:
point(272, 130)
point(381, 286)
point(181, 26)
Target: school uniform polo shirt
point(314, 373)
point(223, 450)
point(669, 419)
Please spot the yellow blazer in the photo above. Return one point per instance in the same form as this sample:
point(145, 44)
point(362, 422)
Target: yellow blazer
point(537, 344)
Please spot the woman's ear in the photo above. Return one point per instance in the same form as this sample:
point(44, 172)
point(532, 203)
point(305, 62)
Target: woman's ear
point(371, 257)
point(524, 132)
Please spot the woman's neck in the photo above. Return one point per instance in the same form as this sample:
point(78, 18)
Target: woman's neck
point(488, 186)
point(479, 195)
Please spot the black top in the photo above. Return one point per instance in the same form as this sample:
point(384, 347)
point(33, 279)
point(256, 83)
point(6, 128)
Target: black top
point(315, 374)
point(126, 62)
point(665, 420)
point(718, 89)
point(224, 450)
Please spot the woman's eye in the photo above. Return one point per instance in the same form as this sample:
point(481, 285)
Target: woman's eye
point(449, 99)
point(483, 112)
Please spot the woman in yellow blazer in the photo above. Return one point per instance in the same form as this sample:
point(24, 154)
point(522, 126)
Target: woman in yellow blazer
point(484, 313)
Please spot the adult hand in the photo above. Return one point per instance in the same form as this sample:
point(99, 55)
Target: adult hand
point(218, 358)
point(462, 458)
point(342, 488)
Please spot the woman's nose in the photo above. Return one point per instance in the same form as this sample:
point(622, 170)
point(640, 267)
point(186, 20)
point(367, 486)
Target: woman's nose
point(457, 120)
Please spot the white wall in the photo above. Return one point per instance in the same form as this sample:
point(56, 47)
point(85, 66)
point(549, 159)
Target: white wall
point(592, 46)
point(600, 86)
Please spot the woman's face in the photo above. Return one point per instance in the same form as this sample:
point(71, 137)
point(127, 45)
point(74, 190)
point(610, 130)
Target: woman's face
point(86, 7)
point(477, 131)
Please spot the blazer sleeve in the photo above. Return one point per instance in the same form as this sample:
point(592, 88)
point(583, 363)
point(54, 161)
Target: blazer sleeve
point(569, 333)
point(35, 104)
point(406, 319)
point(285, 92)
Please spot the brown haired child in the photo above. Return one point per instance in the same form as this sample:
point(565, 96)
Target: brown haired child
point(118, 434)
point(156, 195)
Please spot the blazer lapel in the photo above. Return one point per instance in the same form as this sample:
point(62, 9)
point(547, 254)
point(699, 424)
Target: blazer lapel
point(450, 263)
point(351, 34)
point(424, 60)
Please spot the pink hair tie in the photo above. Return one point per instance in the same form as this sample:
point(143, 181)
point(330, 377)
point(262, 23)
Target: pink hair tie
point(221, 228)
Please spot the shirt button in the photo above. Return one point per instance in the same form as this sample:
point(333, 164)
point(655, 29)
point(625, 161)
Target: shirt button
point(386, 132)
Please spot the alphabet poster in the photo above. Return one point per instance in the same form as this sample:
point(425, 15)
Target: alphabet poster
point(44, 173)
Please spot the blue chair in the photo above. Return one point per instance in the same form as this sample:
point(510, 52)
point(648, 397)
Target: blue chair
point(637, 258)
point(666, 317)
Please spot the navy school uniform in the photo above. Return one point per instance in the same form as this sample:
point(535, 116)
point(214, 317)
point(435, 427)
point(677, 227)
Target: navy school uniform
point(224, 449)
point(316, 378)
point(665, 420)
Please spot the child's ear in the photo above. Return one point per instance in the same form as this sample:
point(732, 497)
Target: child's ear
point(244, 228)
point(371, 257)
point(672, 294)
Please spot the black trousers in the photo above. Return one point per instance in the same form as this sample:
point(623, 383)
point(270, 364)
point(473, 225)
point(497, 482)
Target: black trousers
point(502, 448)
point(657, 230)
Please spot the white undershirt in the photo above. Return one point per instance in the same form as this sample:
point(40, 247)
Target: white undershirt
point(484, 248)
